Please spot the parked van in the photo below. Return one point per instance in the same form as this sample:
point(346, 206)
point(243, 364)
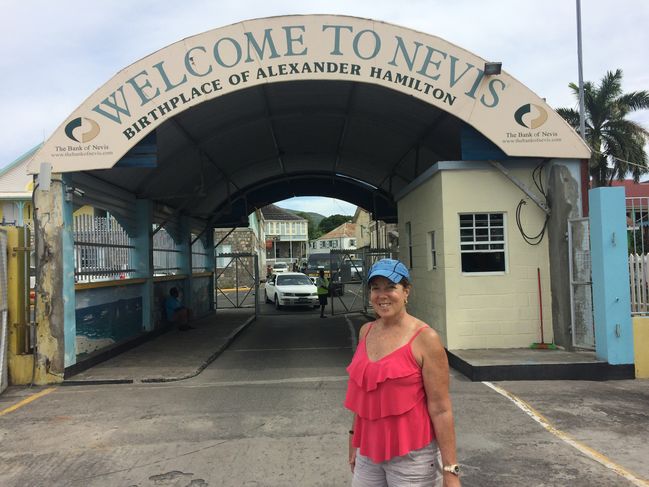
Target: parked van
point(330, 263)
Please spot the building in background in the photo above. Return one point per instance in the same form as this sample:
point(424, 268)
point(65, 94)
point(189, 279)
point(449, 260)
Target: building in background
point(16, 192)
point(343, 237)
point(287, 235)
point(384, 235)
point(239, 271)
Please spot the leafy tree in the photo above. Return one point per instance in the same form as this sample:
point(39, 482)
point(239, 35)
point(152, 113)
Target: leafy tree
point(614, 139)
point(313, 229)
point(330, 222)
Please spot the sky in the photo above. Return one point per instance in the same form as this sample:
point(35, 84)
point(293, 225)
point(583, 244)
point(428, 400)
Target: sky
point(53, 55)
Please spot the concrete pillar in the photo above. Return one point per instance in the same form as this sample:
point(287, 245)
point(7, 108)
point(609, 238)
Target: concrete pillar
point(143, 259)
point(610, 271)
point(563, 188)
point(55, 301)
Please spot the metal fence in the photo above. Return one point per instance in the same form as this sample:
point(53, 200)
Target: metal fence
point(637, 222)
point(199, 255)
point(165, 254)
point(102, 249)
point(581, 294)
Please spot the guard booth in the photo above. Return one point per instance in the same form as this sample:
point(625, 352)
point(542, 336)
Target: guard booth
point(406, 125)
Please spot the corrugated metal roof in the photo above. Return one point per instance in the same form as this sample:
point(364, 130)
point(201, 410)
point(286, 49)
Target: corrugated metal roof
point(633, 190)
point(272, 212)
point(344, 230)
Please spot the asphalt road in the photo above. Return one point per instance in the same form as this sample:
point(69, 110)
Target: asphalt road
point(350, 301)
point(268, 412)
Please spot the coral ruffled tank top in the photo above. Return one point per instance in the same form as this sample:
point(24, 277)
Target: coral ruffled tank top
point(389, 399)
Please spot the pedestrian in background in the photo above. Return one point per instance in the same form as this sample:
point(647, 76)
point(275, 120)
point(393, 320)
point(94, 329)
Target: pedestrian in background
point(176, 312)
point(322, 284)
point(403, 430)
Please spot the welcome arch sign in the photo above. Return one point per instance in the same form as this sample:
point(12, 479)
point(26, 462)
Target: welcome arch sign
point(178, 77)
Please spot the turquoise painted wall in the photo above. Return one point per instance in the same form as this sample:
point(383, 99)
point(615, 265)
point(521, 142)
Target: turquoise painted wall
point(105, 316)
point(610, 274)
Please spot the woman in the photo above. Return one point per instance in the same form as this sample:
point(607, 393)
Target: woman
point(403, 431)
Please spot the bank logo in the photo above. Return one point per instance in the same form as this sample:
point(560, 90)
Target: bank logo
point(531, 116)
point(82, 129)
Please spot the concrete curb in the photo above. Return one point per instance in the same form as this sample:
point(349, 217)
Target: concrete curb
point(95, 382)
point(229, 339)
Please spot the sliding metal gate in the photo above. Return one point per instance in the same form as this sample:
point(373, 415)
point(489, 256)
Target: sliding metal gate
point(237, 281)
point(349, 279)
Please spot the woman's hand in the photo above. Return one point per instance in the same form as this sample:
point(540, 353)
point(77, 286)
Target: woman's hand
point(352, 455)
point(451, 480)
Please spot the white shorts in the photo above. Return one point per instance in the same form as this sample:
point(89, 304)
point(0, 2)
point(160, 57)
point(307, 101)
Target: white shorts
point(418, 468)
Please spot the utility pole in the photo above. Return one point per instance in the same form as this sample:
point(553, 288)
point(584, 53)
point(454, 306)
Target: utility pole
point(582, 116)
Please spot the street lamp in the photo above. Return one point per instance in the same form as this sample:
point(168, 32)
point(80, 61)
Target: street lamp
point(492, 68)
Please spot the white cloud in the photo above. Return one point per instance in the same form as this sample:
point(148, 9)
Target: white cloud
point(323, 206)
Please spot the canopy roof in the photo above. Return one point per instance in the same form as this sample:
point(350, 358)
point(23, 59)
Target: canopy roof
point(233, 119)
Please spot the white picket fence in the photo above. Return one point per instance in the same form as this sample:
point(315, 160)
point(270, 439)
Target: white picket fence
point(637, 221)
point(639, 277)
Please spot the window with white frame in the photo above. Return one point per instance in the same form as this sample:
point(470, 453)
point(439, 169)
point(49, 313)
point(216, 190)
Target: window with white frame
point(482, 242)
point(432, 251)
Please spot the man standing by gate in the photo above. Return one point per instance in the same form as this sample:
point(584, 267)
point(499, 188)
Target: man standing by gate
point(323, 290)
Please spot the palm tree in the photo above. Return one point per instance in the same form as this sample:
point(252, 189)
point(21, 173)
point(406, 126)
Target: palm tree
point(615, 140)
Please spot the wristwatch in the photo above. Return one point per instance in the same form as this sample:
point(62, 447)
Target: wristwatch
point(454, 469)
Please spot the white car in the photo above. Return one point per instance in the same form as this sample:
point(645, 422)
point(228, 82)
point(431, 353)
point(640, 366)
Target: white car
point(356, 269)
point(291, 289)
point(280, 267)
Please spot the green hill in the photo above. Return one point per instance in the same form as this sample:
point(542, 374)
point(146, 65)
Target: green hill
point(315, 217)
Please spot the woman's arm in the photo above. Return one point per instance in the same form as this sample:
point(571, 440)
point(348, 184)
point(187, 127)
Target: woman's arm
point(352, 449)
point(436, 379)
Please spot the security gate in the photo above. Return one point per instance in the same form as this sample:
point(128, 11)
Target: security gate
point(581, 296)
point(348, 288)
point(236, 283)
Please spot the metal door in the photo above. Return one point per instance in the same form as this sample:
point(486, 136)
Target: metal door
point(581, 296)
point(236, 283)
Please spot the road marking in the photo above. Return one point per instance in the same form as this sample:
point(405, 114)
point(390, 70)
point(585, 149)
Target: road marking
point(295, 349)
point(290, 380)
point(27, 401)
point(586, 450)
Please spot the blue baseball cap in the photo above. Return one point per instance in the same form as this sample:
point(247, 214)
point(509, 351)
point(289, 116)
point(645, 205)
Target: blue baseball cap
point(392, 269)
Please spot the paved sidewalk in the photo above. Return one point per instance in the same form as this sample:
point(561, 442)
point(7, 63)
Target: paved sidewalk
point(174, 355)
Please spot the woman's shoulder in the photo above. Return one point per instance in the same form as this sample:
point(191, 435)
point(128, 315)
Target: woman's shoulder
point(427, 338)
point(362, 333)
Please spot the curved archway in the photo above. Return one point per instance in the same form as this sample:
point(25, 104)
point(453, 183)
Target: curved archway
point(262, 52)
point(218, 124)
